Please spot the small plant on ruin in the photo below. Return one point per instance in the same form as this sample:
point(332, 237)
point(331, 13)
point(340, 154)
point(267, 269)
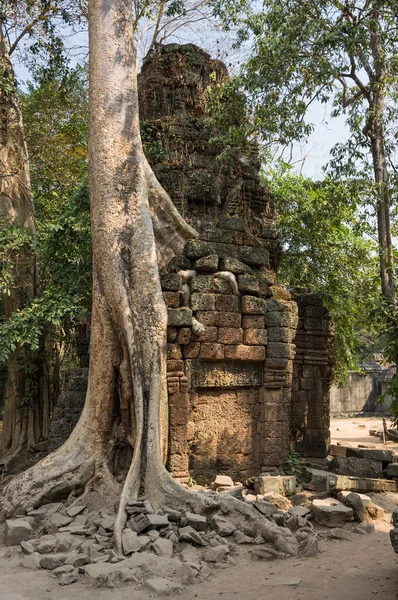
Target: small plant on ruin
point(292, 464)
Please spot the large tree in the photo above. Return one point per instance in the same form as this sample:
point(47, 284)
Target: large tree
point(330, 51)
point(136, 229)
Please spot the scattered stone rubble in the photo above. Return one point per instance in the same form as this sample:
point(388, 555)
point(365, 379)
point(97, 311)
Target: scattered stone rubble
point(165, 550)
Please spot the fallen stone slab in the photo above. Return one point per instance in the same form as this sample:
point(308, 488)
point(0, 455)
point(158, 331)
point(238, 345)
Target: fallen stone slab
point(52, 561)
point(281, 484)
point(323, 481)
point(163, 547)
point(73, 511)
point(222, 526)
point(17, 531)
point(130, 542)
point(198, 522)
point(331, 513)
point(357, 467)
point(339, 534)
point(241, 538)
point(164, 587)
point(216, 554)
point(188, 534)
point(222, 481)
point(359, 502)
point(278, 500)
point(110, 575)
point(60, 520)
point(382, 454)
point(265, 508)
point(299, 511)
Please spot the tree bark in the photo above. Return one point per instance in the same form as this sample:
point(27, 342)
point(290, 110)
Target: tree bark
point(26, 405)
point(135, 229)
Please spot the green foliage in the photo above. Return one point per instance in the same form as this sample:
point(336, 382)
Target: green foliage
point(55, 114)
point(64, 255)
point(327, 248)
point(293, 463)
point(12, 240)
point(388, 318)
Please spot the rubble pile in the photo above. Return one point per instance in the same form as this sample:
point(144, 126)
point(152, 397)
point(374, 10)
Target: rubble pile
point(164, 550)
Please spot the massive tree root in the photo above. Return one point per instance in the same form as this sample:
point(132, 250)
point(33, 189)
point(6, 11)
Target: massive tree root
point(136, 229)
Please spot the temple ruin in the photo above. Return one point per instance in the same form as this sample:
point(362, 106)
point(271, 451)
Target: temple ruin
point(249, 362)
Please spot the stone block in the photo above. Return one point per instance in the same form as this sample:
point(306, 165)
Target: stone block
point(202, 284)
point(321, 481)
point(224, 286)
point(163, 547)
point(191, 350)
point(17, 531)
point(174, 352)
point(222, 525)
point(384, 455)
point(243, 352)
point(253, 322)
point(276, 364)
point(171, 282)
point(250, 255)
point(171, 299)
point(281, 484)
point(171, 334)
point(253, 306)
point(357, 467)
point(184, 335)
point(179, 317)
point(198, 522)
point(281, 334)
point(174, 366)
point(223, 481)
point(329, 512)
point(207, 264)
point(281, 319)
point(248, 284)
point(227, 303)
point(207, 318)
point(209, 335)
point(234, 265)
point(211, 351)
point(280, 350)
point(255, 337)
point(229, 319)
point(203, 301)
point(280, 501)
point(230, 335)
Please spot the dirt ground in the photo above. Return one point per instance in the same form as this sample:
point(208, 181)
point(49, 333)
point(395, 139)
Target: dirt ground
point(358, 569)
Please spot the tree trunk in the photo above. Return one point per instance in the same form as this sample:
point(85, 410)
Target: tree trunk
point(378, 146)
point(136, 229)
point(383, 207)
point(26, 410)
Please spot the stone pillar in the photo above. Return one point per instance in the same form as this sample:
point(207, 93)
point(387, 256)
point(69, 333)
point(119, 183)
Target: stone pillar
point(312, 374)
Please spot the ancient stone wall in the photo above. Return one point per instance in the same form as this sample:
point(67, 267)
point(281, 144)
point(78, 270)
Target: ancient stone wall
point(230, 358)
point(312, 375)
